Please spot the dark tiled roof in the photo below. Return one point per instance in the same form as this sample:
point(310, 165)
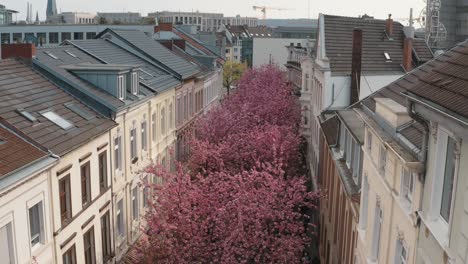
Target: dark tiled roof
point(22, 88)
point(353, 123)
point(338, 43)
point(157, 52)
point(423, 52)
point(159, 79)
point(16, 152)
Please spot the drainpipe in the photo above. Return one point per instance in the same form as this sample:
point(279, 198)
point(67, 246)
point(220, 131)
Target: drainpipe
point(422, 157)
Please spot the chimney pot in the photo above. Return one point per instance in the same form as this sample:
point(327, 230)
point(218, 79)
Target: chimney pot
point(23, 50)
point(389, 25)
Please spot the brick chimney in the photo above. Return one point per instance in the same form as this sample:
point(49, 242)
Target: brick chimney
point(356, 65)
point(408, 54)
point(23, 50)
point(389, 25)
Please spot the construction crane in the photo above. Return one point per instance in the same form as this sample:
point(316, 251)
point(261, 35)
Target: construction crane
point(264, 9)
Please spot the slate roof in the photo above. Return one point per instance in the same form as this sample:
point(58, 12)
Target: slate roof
point(196, 47)
point(423, 52)
point(57, 70)
point(159, 79)
point(16, 152)
point(155, 51)
point(442, 82)
point(338, 44)
point(23, 88)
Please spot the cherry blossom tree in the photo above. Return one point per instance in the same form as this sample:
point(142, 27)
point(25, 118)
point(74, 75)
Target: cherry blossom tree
point(242, 196)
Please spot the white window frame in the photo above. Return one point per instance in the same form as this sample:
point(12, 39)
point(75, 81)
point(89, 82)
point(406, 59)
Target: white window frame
point(118, 152)
point(383, 158)
point(42, 229)
point(153, 126)
point(135, 204)
point(134, 83)
point(121, 87)
point(342, 140)
point(144, 135)
point(369, 141)
point(399, 247)
point(7, 222)
point(438, 180)
point(133, 143)
point(376, 232)
point(407, 183)
point(120, 211)
point(364, 203)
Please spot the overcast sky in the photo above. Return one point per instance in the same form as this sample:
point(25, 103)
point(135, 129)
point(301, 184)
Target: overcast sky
point(296, 8)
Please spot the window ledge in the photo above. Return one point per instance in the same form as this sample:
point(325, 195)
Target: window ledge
point(439, 230)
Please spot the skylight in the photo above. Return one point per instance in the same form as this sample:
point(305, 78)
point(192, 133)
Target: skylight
point(27, 115)
point(51, 55)
point(387, 56)
point(58, 120)
point(71, 54)
point(79, 111)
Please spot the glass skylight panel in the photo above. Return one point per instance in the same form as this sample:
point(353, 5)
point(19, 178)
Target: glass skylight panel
point(58, 120)
point(27, 115)
point(387, 56)
point(51, 55)
point(71, 54)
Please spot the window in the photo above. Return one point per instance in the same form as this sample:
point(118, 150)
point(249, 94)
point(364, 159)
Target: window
point(120, 218)
point(103, 171)
point(69, 257)
point(133, 144)
point(121, 88)
point(401, 254)
point(387, 56)
point(382, 160)
point(163, 121)
point(66, 36)
point(53, 37)
point(85, 184)
point(78, 35)
point(36, 224)
point(65, 199)
point(135, 83)
point(364, 204)
point(179, 111)
point(171, 116)
point(369, 141)
point(153, 126)
point(89, 247)
point(407, 185)
point(144, 136)
point(357, 154)
point(135, 203)
point(145, 192)
point(376, 234)
point(185, 107)
point(90, 35)
point(342, 139)
point(6, 241)
point(58, 120)
point(118, 152)
point(349, 149)
point(449, 175)
point(106, 236)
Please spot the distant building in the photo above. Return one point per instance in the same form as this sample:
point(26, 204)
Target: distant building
point(123, 17)
point(296, 32)
point(6, 15)
point(272, 50)
point(204, 21)
point(73, 18)
point(51, 9)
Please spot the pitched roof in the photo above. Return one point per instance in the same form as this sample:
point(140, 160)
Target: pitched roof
point(338, 45)
point(153, 75)
point(59, 70)
point(16, 152)
point(22, 88)
point(155, 51)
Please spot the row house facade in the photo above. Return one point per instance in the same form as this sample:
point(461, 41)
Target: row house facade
point(383, 50)
point(340, 180)
point(114, 97)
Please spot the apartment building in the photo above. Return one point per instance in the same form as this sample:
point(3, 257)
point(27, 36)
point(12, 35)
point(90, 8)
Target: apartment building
point(70, 220)
point(120, 17)
point(26, 232)
point(437, 97)
point(383, 54)
point(340, 181)
point(73, 18)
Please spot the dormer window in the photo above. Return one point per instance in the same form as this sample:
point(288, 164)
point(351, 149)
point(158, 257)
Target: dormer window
point(135, 83)
point(121, 88)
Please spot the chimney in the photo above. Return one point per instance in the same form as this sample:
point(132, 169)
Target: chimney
point(165, 26)
point(356, 65)
point(24, 50)
point(408, 54)
point(389, 25)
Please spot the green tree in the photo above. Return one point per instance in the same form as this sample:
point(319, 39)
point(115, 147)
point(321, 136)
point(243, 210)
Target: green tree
point(232, 73)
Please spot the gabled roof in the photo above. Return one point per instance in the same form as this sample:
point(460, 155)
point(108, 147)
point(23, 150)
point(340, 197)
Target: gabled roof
point(154, 50)
point(23, 89)
point(338, 45)
point(153, 75)
point(196, 45)
point(16, 152)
